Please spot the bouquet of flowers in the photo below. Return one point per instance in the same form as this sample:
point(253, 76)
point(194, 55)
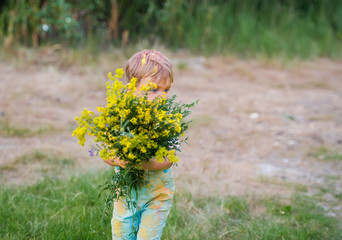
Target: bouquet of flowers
point(134, 129)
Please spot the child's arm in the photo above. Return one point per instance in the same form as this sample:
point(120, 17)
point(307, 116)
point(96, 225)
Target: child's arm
point(115, 162)
point(151, 165)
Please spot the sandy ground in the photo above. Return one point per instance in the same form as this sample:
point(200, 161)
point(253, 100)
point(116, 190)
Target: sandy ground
point(258, 128)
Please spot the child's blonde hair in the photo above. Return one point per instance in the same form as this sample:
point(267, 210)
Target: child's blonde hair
point(149, 63)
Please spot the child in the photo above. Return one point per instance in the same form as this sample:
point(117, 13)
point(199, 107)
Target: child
point(155, 198)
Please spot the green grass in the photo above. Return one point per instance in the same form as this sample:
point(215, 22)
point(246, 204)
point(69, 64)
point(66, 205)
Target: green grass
point(10, 130)
point(71, 209)
point(232, 218)
point(326, 154)
point(182, 66)
point(54, 163)
point(201, 120)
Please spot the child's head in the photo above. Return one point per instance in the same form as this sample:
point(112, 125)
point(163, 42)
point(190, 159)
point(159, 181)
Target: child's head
point(151, 65)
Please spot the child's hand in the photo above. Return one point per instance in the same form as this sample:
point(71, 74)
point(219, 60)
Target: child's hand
point(122, 163)
point(111, 162)
point(116, 162)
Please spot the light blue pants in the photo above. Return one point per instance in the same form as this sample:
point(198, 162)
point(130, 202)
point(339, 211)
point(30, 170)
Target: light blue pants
point(153, 206)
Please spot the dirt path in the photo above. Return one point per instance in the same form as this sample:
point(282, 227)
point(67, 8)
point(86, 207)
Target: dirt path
point(260, 128)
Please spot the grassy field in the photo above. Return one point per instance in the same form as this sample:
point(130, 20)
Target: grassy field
point(72, 209)
point(263, 160)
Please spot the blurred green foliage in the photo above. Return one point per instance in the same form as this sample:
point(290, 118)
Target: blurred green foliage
point(304, 28)
point(33, 23)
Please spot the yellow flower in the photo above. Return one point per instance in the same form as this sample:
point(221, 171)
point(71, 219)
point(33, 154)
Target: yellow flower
point(101, 109)
point(104, 154)
point(110, 76)
point(166, 133)
point(133, 120)
point(131, 156)
point(143, 150)
point(130, 125)
point(132, 84)
point(161, 154)
point(149, 86)
point(147, 117)
point(172, 157)
point(143, 61)
point(119, 72)
point(178, 128)
point(151, 144)
point(161, 115)
point(100, 121)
